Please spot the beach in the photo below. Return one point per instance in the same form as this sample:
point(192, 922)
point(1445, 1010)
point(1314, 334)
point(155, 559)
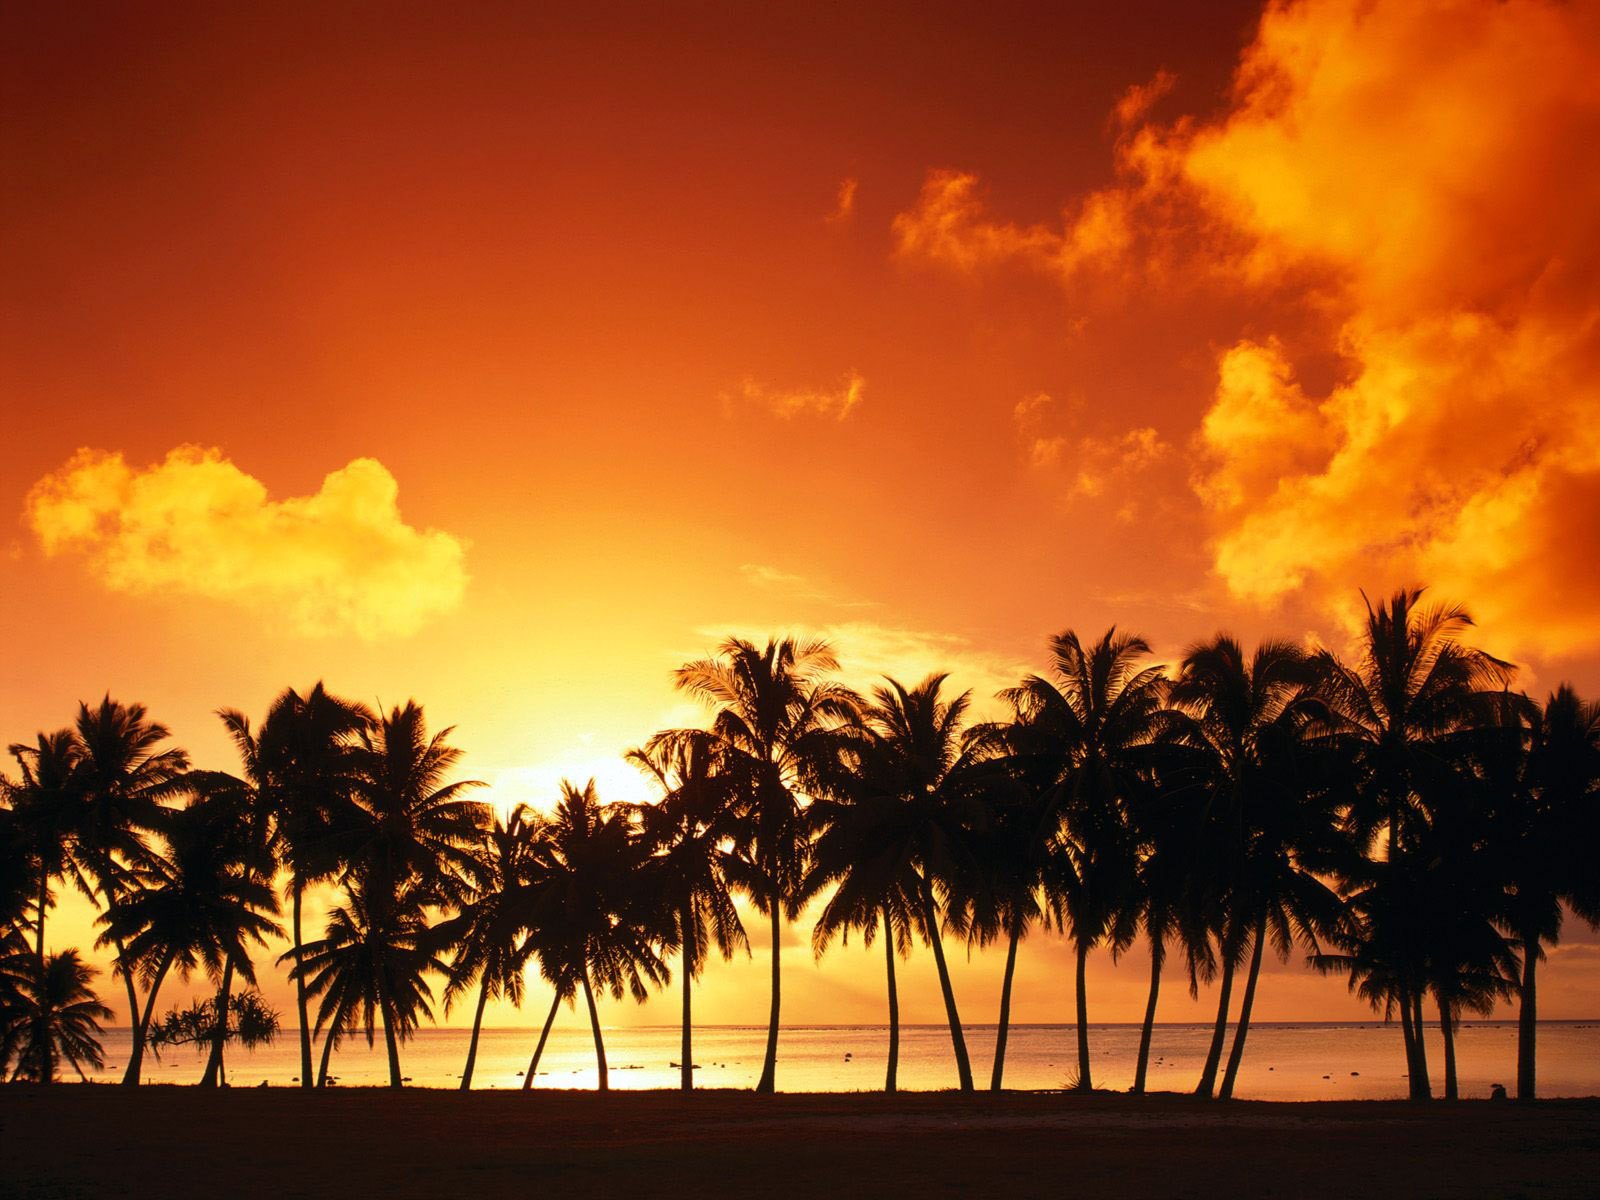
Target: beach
point(91, 1141)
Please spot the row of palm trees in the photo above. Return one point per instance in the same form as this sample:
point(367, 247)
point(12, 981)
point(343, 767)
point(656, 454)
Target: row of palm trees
point(1405, 818)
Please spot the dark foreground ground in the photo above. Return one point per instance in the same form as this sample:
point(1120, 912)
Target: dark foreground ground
point(94, 1141)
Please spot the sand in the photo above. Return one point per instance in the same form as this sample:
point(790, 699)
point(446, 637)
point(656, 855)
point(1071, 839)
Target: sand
point(93, 1141)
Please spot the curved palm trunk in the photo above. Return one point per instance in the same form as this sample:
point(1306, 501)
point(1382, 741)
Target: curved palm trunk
point(890, 1078)
point(131, 1076)
point(1085, 1077)
point(327, 1053)
point(957, 1039)
point(1409, 1033)
point(300, 996)
point(1242, 1030)
point(1219, 1033)
point(477, 1027)
point(599, 1045)
point(769, 1065)
point(391, 1043)
point(1141, 1070)
point(213, 1075)
point(136, 1059)
point(1421, 1085)
point(1447, 1026)
point(1527, 1021)
point(686, 1050)
point(1004, 1030)
point(538, 1051)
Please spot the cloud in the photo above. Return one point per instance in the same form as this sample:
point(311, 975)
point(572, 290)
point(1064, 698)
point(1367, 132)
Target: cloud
point(787, 403)
point(339, 561)
point(1094, 466)
point(1417, 180)
point(797, 587)
point(844, 206)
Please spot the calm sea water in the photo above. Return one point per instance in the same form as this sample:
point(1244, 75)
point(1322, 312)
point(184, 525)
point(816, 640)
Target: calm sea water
point(1282, 1061)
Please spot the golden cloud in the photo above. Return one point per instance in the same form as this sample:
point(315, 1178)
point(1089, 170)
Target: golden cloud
point(835, 403)
point(1419, 176)
point(1098, 465)
point(339, 561)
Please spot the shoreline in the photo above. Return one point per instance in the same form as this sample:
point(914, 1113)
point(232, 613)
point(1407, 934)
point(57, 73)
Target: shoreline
point(178, 1141)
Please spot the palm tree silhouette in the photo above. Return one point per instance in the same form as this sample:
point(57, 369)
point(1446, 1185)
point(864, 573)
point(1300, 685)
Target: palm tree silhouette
point(596, 922)
point(58, 1017)
point(689, 833)
point(200, 902)
point(1274, 827)
point(488, 934)
point(301, 766)
point(47, 804)
point(1093, 731)
point(1397, 715)
point(776, 717)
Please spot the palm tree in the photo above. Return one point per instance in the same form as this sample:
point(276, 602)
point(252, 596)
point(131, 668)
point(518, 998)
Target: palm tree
point(370, 965)
point(301, 768)
point(125, 776)
point(776, 716)
point(488, 933)
point(1398, 718)
point(1273, 826)
point(689, 832)
point(58, 1017)
point(47, 803)
point(201, 903)
point(596, 916)
point(1092, 734)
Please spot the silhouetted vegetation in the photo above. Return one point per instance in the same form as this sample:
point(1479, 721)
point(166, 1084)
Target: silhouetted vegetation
point(1404, 819)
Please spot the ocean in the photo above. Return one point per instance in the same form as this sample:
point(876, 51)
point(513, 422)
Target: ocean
point(1283, 1061)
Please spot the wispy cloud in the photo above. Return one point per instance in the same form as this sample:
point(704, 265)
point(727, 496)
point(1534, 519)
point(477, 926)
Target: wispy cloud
point(844, 205)
point(339, 561)
point(1091, 466)
point(831, 403)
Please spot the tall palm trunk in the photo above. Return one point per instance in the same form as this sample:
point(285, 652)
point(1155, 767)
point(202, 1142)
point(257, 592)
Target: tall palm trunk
point(136, 1059)
point(957, 1039)
point(1219, 1032)
point(327, 1049)
point(1242, 1030)
point(1527, 1021)
point(1085, 1075)
point(538, 1051)
point(219, 1036)
point(594, 1024)
point(769, 1064)
point(1447, 1026)
point(1141, 1069)
point(1003, 1032)
point(126, 970)
point(1421, 1085)
point(391, 1043)
point(43, 902)
point(477, 1027)
point(298, 888)
point(686, 1050)
point(889, 1079)
point(1408, 1032)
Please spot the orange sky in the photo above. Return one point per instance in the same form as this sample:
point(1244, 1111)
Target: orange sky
point(508, 360)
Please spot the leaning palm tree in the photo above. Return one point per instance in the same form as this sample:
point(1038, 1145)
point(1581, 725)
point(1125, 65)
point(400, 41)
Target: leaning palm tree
point(200, 901)
point(59, 1017)
point(776, 717)
point(301, 766)
point(1091, 735)
point(370, 967)
point(1399, 716)
point(1272, 822)
point(125, 776)
point(597, 918)
point(689, 833)
point(488, 933)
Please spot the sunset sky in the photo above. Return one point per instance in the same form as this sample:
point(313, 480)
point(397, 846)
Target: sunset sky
point(507, 358)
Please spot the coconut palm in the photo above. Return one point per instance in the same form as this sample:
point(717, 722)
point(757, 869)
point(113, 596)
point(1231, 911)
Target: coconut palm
point(776, 717)
point(58, 1017)
point(125, 775)
point(488, 934)
point(47, 803)
point(1273, 823)
point(200, 901)
point(597, 919)
point(689, 833)
point(301, 768)
point(1399, 715)
point(371, 966)
point(1092, 734)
